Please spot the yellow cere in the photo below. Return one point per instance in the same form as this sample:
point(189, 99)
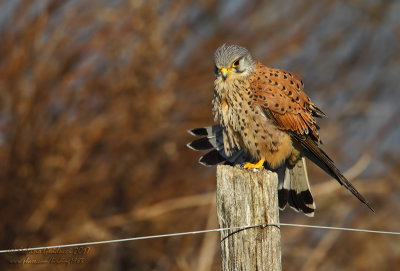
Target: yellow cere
point(226, 70)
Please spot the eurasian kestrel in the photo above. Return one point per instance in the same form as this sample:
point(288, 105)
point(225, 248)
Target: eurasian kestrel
point(265, 120)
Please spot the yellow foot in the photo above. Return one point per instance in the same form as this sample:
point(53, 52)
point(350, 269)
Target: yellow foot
point(257, 165)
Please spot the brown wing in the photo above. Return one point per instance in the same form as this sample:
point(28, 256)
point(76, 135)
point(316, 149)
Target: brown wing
point(281, 95)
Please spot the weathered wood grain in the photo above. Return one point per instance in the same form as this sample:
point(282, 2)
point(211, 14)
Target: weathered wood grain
point(246, 197)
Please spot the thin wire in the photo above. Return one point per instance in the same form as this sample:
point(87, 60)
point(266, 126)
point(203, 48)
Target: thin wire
point(339, 228)
point(126, 239)
point(196, 232)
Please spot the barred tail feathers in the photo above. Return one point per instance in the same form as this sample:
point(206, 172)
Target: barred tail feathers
point(294, 188)
point(213, 140)
point(293, 185)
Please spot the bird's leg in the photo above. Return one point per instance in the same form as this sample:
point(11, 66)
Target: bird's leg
point(257, 165)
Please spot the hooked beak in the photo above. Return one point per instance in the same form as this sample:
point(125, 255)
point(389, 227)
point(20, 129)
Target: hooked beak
point(225, 72)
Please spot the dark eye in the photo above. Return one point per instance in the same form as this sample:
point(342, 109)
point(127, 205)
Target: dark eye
point(236, 63)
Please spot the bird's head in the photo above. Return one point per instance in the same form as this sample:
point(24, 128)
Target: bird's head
point(232, 61)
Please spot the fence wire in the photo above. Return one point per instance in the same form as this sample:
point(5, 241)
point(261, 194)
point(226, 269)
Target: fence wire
point(241, 228)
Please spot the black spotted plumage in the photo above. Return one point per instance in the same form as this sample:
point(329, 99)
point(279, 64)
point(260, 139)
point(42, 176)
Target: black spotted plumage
point(264, 115)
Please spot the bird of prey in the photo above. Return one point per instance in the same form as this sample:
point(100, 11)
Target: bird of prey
point(265, 120)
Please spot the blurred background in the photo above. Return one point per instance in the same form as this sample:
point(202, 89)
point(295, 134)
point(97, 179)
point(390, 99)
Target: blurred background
point(96, 98)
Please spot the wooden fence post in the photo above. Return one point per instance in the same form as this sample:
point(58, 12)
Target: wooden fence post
point(246, 197)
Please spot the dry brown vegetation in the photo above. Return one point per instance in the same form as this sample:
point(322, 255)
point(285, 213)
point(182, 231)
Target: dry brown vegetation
point(95, 98)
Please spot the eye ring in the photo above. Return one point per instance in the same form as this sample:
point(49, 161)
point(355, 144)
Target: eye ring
point(236, 63)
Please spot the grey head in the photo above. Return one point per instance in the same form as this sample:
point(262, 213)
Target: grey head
point(233, 61)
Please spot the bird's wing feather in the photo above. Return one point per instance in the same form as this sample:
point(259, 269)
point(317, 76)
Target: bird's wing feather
point(321, 159)
point(280, 94)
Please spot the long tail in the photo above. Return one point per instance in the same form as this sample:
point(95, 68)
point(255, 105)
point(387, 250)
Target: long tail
point(294, 188)
point(293, 185)
point(321, 159)
point(213, 140)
